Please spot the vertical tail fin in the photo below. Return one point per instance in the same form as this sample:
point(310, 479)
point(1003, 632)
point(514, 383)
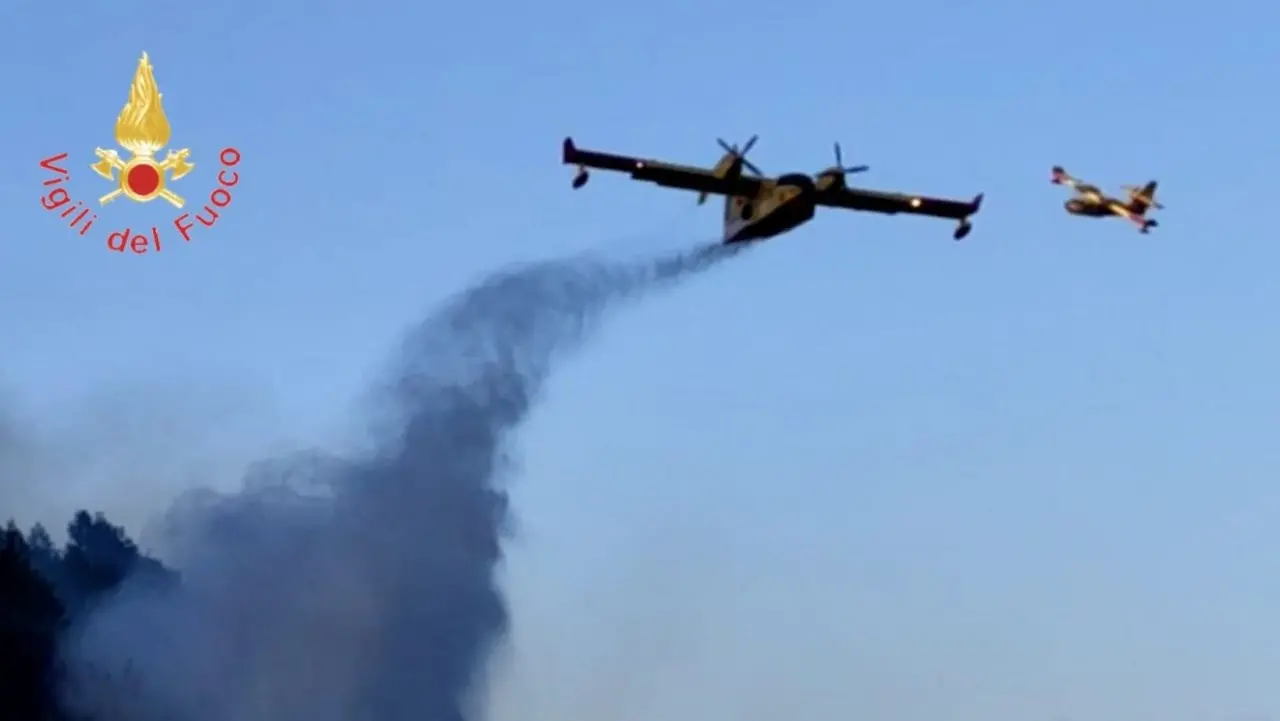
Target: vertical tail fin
point(1141, 199)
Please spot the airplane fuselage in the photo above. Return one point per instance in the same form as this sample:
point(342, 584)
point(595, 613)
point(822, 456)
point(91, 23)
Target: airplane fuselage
point(1092, 208)
point(1096, 205)
point(775, 210)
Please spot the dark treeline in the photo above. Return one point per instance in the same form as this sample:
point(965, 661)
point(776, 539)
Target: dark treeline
point(44, 590)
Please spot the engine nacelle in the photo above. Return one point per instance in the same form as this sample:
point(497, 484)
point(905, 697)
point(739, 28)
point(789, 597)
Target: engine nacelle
point(730, 172)
point(829, 180)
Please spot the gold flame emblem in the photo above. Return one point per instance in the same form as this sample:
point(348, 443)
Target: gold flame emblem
point(142, 129)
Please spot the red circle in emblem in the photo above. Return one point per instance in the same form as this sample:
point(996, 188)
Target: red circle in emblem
point(143, 180)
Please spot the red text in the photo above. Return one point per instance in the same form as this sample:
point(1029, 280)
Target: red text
point(57, 196)
point(218, 199)
point(138, 243)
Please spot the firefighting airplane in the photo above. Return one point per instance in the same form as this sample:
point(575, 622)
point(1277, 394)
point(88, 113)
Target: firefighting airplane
point(1093, 203)
point(758, 207)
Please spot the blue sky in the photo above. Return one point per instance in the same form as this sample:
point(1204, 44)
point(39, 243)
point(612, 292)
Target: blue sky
point(873, 472)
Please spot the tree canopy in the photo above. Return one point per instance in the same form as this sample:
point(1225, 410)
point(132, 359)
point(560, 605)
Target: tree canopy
point(43, 591)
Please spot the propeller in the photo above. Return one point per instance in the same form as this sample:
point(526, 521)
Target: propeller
point(840, 168)
point(741, 154)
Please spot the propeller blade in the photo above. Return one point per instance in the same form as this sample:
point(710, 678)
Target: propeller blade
point(751, 166)
point(857, 169)
point(726, 146)
point(750, 144)
point(839, 158)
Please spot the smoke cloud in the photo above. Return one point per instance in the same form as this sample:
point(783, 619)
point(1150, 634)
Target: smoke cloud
point(345, 589)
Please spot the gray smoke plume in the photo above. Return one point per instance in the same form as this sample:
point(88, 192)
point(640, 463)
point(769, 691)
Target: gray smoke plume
point(354, 589)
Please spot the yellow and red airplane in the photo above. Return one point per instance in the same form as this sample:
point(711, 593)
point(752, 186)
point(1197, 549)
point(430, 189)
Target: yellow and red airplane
point(1091, 202)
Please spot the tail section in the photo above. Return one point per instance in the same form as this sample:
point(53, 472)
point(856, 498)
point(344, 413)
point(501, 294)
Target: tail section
point(1144, 198)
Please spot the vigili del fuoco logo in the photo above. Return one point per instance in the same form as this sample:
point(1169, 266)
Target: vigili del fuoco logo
point(142, 130)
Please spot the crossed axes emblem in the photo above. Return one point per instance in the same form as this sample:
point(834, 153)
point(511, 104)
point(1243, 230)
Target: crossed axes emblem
point(175, 162)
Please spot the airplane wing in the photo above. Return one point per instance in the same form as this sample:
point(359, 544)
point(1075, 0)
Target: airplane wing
point(875, 201)
point(668, 175)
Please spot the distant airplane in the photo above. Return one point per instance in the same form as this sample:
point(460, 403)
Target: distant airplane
point(1093, 203)
point(758, 207)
